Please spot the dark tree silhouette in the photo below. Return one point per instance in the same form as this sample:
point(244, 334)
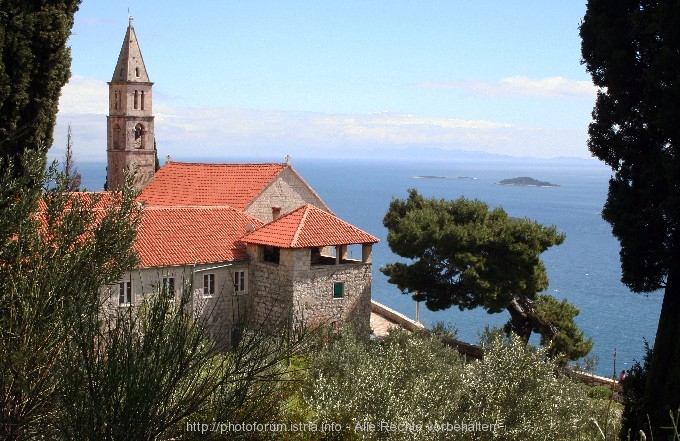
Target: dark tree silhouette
point(34, 65)
point(632, 51)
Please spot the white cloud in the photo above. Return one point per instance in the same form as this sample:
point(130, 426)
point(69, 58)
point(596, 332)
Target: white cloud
point(520, 86)
point(548, 87)
point(84, 95)
point(223, 132)
point(319, 131)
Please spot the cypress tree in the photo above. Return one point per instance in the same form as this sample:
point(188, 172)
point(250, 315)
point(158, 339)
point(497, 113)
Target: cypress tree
point(632, 51)
point(34, 65)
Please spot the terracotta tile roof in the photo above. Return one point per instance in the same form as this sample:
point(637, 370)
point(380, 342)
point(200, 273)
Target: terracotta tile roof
point(308, 226)
point(186, 235)
point(98, 200)
point(203, 184)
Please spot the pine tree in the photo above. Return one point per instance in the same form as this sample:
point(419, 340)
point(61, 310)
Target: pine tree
point(465, 255)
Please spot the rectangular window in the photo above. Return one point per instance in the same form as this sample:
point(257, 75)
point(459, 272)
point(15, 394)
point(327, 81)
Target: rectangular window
point(240, 280)
point(208, 285)
point(271, 254)
point(169, 284)
point(276, 213)
point(338, 290)
point(124, 293)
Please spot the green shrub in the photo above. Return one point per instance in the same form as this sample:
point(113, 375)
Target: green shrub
point(512, 394)
point(600, 393)
point(516, 388)
point(405, 379)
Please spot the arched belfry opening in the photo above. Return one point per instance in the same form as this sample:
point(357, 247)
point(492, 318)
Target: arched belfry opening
point(139, 136)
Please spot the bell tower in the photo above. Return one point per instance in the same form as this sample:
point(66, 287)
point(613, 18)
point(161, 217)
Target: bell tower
point(130, 133)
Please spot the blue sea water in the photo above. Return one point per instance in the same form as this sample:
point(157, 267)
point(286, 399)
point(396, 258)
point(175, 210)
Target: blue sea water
point(584, 270)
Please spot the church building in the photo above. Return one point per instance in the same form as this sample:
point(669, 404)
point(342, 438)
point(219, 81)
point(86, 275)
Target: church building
point(261, 246)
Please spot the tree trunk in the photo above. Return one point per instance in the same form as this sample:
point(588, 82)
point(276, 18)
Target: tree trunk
point(662, 392)
point(519, 319)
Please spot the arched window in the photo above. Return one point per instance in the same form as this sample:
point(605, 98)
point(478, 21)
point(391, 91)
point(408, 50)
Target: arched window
point(142, 101)
point(139, 136)
point(136, 101)
point(137, 72)
point(116, 100)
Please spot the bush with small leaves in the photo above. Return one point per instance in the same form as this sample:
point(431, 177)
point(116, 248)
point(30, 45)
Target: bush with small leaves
point(515, 387)
point(405, 379)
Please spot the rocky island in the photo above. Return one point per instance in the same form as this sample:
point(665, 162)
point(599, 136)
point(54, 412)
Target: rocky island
point(526, 181)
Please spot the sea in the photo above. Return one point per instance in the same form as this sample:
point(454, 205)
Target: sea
point(585, 269)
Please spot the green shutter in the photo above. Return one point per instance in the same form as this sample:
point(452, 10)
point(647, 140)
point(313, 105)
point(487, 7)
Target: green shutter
point(338, 290)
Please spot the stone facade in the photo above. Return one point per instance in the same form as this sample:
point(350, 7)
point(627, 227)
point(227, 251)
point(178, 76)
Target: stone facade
point(285, 193)
point(297, 290)
point(130, 123)
point(293, 291)
point(313, 285)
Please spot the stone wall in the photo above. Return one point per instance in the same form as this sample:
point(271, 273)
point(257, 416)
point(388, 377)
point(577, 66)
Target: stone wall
point(272, 296)
point(395, 317)
point(294, 288)
point(287, 192)
point(291, 292)
point(314, 301)
point(139, 162)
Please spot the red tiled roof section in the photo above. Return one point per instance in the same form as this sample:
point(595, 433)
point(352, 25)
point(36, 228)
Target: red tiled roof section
point(306, 227)
point(97, 200)
point(186, 235)
point(204, 184)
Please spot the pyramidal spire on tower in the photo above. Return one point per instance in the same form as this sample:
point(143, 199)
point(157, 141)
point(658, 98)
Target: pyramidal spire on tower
point(130, 123)
point(130, 66)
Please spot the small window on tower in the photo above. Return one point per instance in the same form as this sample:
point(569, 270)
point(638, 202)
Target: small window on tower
point(136, 100)
point(142, 100)
point(271, 254)
point(139, 136)
point(137, 72)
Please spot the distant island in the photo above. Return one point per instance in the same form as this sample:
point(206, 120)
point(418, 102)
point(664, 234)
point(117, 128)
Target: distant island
point(526, 181)
point(441, 177)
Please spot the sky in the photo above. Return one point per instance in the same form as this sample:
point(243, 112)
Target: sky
point(338, 78)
